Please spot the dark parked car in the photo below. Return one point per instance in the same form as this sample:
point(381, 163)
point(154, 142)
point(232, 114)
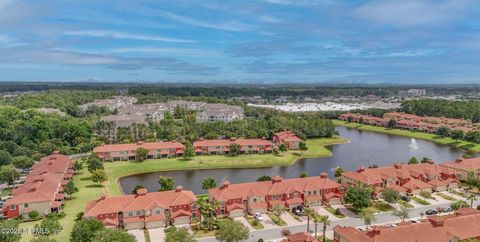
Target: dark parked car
point(431, 212)
point(448, 209)
point(405, 198)
point(298, 210)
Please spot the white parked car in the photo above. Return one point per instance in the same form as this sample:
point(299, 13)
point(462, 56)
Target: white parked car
point(258, 216)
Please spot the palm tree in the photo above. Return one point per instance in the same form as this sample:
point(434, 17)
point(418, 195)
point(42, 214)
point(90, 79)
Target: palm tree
point(309, 212)
point(325, 221)
point(201, 204)
point(472, 198)
point(316, 220)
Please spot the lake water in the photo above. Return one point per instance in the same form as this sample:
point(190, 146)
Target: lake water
point(365, 149)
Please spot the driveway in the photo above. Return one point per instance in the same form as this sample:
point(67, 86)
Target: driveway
point(322, 211)
point(345, 211)
point(289, 219)
point(244, 221)
point(138, 234)
point(157, 235)
point(268, 223)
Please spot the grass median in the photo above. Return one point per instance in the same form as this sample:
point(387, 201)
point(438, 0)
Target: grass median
point(413, 134)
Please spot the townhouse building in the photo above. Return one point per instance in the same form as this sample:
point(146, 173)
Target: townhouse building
point(461, 226)
point(257, 197)
point(222, 146)
point(299, 237)
point(43, 189)
point(144, 210)
point(463, 167)
point(288, 138)
point(156, 150)
point(404, 178)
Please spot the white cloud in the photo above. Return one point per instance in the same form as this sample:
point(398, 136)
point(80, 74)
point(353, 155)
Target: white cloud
point(413, 12)
point(121, 35)
point(227, 25)
point(176, 51)
point(8, 41)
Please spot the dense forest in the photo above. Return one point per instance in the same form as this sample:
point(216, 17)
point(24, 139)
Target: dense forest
point(469, 110)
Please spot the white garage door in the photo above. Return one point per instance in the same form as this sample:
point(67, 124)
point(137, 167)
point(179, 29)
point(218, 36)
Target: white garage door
point(236, 213)
point(182, 220)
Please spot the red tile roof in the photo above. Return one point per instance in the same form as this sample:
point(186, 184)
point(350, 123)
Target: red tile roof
point(228, 142)
point(276, 186)
point(287, 136)
point(300, 237)
point(136, 202)
point(464, 224)
point(134, 146)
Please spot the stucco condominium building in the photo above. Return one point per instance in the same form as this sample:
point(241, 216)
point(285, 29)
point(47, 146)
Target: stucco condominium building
point(461, 226)
point(110, 103)
point(288, 138)
point(156, 150)
point(222, 146)
point(464, 166)
point(144, 209)
point(43, 189)
point(238, 199)
point(406, 179)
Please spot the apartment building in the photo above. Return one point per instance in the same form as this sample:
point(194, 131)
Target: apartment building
point(463, 167)
point(220, 112)
point(461, 226)
point(144, 210)
point(110, 103)
point(156, 150)
point(43, 188)
point(222, 146)
point(406, 179)
point(288, 138)
point(257, 197)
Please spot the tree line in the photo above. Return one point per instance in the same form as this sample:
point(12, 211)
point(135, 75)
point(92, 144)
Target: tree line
point(469, 110)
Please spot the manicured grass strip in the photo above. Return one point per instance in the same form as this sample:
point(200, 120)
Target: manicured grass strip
point(408, 205)
point(335, 212)
point(255, 223)
point(202, 196)
point(147, 235)
point(116, 170)
point(380, 206)
point(413, 134)
point(461, 194)
point(444, 196)
point(421, 201)
point(277, 220)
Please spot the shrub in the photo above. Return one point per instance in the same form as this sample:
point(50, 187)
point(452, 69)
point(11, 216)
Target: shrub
point(426, 194)
point(338, 212)
point(33, 214)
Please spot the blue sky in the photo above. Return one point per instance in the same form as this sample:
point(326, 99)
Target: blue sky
point(264, 41)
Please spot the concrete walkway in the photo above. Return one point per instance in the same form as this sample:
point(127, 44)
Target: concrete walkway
point(244, 221)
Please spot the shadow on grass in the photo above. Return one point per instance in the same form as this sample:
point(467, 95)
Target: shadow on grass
point(85, 178)
point(455, 143)
point(94, 186)
point(467, 146)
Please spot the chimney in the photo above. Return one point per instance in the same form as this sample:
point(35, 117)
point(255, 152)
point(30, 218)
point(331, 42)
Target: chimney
point(56, 152)
point(375, 230)
point(233, 139)
point(103, 196)
point(33, 189)
point(276, 179)
point(225, 184)
point(459, 160)
point(361, 169)
point(430, 161)
point(178, 189)
point(398, 165)
point(323, 175)
point(436, 220)
point(139, 142)
point(264, 138)
point(142, 191)
point(201, 139)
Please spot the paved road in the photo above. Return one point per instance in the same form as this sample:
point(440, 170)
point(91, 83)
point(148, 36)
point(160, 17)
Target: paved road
point(274, 233)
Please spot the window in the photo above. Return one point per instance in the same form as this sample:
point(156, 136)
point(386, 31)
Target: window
point(157, 211)
point(12, 207)
point(138, 213)
point(130, 213)
point(25, 205)
point(254, 200)
point(295, 195)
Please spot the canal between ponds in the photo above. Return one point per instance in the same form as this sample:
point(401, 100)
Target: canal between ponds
point(365, 148)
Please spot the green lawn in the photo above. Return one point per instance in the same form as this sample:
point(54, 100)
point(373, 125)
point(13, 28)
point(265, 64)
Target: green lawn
point(421, 201)
point(116, 170)
point(380, 206)
point(6, 192)
point(461, 194)
point(277, 220)
point(254, 223)
point(332, 211)
point(408, 205)
point(88, 191)
point(418, 135)
point(444, 196)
